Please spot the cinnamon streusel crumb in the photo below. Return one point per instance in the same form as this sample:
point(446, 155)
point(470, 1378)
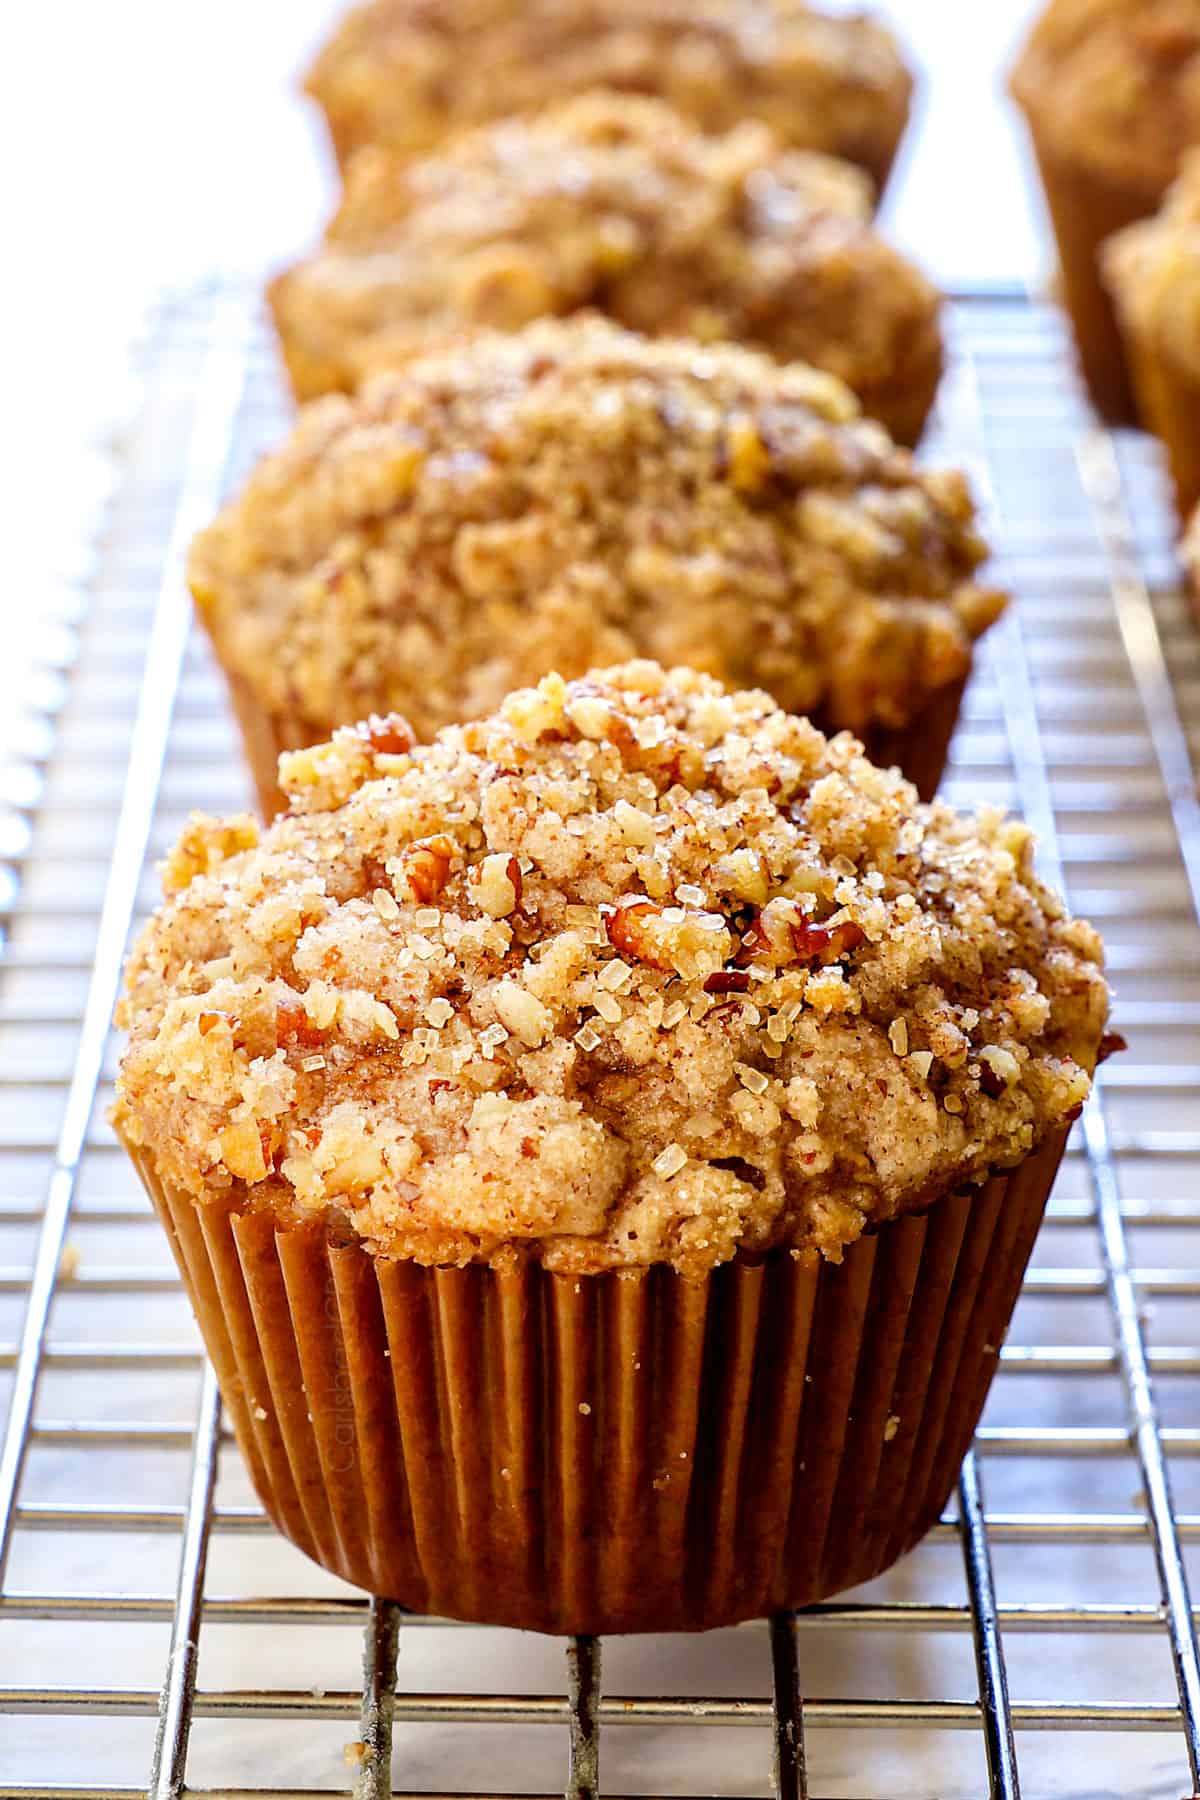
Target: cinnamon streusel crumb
point(573, 495)
point(633, 1062)
point(408, 75)
point(664, 229)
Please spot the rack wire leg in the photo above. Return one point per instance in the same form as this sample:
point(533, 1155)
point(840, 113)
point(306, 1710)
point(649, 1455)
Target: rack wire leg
point(168, 1772)
point(791, 1775)
point(1004, 1783)
point(381, 1645)
point(583, 1694)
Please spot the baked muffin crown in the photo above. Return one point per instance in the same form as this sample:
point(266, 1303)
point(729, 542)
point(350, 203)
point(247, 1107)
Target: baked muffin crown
point(636, 970)
point(1117, 82)
point(408, 73)
point(514, 161)
point(573, 495)
point(617, 202)
point(1154, 269)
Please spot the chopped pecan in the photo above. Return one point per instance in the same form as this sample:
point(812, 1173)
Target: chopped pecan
point(745, 1171)
point(1110, 1044)
point(391, 735)
point(992, 1083)
point(817, 943)
point(727, 981)
point(671, 761)
point(292, 1024)
point(496, 885)
point(627, 932)
point(425, 867)
point(754, 942)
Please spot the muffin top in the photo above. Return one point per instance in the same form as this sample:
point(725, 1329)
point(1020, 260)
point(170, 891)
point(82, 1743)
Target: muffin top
point(407, 73)
point(637, 970)
point(574, 495)
point(1154, 269)
point(618, 203)
point(1117, 82)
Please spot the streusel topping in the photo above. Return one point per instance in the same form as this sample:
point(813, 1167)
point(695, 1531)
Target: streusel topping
point(574, 495)
point(1118, 82)
point(618, 203)
point(409, 73)
point(637, 970)
point(1154, 269)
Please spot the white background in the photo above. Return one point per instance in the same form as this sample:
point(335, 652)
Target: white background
point(149, 140)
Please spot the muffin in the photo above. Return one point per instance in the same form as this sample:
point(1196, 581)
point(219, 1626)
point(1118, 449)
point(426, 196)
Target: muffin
point(602, 1147)
point(1153, 271)
point(407, 74)
point(664, 229)
point(574, 495)
point(1190, 555)
point(1111, 92)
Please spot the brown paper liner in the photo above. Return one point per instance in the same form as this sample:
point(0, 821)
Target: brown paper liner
point(631, 1451)
point(879, 162)
point(1085, 208)
point(902, 404)
point(1168, 397)
point(918, 749)
point(265, 737)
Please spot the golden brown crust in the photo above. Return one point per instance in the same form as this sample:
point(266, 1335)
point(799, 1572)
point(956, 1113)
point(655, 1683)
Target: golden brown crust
point(573, 495)
point(1115, 84)
point(408, 73)
point(637, 970)
point(664, 229)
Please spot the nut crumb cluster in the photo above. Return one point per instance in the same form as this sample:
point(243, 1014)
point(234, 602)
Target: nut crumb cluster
point(637, 970)
point(618, 203)
point(1117, 82)
point(408, 74)
point(576, 495)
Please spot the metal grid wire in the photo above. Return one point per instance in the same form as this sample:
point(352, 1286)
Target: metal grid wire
point(1050, 1641)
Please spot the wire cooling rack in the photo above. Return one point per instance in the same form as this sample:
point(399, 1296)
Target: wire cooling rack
point(156, 1635)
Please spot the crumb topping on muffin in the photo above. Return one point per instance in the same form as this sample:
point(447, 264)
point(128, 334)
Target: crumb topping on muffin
point(1118, 81)
point(636, 970)
point(1154, 269)
point(574, 495)
point(409, 73)
point(617, 203)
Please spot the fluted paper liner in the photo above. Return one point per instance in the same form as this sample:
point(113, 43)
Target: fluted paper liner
point(630, 1451)
point(1086, 208)
point(919, 749)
